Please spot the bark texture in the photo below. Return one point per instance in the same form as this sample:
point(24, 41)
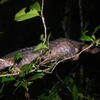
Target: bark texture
point(59, 49)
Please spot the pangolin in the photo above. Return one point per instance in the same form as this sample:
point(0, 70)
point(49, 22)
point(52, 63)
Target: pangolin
point(59, 49)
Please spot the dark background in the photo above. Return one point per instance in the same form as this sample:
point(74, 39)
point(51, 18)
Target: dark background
point(21, 34)
point(26, 33)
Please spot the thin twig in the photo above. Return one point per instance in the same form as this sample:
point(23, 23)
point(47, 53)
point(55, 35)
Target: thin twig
point(14, 74)
point(43, 21)
point(86, 48)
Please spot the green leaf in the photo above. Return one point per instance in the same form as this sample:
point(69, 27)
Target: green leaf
point(40, 47)
point(37, 75)
point(17, 83)
point(17, 56)
point(6, 79)
point(75, 92)
point(81, 96)
point(96, 29)
point(22, 15)
point(25, 69)
point(36, 6)
point(25, 84)
point(42, 38)
point(84, 37)
point(33, 66)
point(22, 74)
point(93, 37)
point(48, 39)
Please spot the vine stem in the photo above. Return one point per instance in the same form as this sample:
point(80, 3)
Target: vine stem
point(91, 45)
point(43, 21)
point(14, 74)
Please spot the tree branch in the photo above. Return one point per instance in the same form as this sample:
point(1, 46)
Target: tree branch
point(59, 51)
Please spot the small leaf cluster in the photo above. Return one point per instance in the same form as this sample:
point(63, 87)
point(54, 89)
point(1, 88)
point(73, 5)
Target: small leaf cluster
point(91, 38)
point(25, 76)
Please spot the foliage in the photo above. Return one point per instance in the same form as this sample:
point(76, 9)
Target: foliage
point(66, 87)
point(92, 38)
point(25, 75)
point(33, 12)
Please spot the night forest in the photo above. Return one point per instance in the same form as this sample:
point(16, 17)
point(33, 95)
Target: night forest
point(75, 23)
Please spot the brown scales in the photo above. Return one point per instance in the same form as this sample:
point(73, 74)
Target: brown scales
point(59, 49)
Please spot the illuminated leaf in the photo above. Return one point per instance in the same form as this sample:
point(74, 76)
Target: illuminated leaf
point(17, 56)
point(40, 47)
point(84, 37)
point(36, 6)
point(37, 75)
point(17, 83)
point(22, 15)
point(48, 39)
point(7, 79)
point(25, 84)
point(25, 69)
point(22, 74)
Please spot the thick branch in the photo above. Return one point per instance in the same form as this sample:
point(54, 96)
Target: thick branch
point(60, 50)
